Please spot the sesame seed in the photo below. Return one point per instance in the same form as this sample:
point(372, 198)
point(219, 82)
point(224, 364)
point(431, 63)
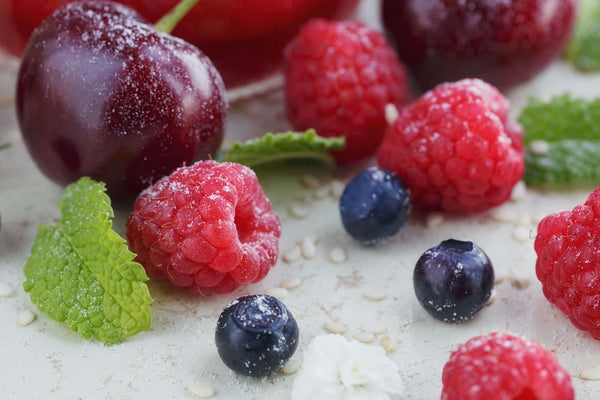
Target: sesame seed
point(374, 295)
point(388, 343)
point(308, 248)
point(591, 374)
point(391, 113)
point(502, 214)
point(375, 329)
point(365, 337)
point(519, 191)
point(292, 254)
point(201, 391)
point(5, 290)
point(310, 181)
point(291, 283)
point(434, 220)
point(521, 234)
point(519, 280)
point(335, 327)
point(337, 255)
point(297, 211)
point(26, 318)
point(291, 367)
point(539, 147)
point(278, 292)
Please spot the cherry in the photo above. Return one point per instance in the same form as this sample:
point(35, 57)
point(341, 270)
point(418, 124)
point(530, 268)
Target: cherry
point(502, 42)
point(102, 93)
point(249, 32)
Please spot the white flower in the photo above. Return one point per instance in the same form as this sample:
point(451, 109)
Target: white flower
point(335, 369)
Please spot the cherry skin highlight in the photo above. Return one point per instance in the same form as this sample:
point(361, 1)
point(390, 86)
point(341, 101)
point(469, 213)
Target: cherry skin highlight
point(101, 93)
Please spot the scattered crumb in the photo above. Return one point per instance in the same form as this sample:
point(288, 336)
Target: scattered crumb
point(292, 254)
point(373, 295)
point(388, 343)
point(521, 234)
point(375, 329)
point(278, 292)
point(308, 248)
point(201, 391)
point(291, 367)
point(524, 220)
point(291, 283)
point(335, 327)
point(321, 193)
point(591, 374)
point(26, 318)
point(5, 290)
point(336, 188)
point(434, 220)
point(310, 181)
point(492, 298)
point(337, 255)
point(519, 280)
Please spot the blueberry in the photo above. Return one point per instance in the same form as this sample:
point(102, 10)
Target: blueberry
point(256, 335)
point(374, 206)
point(453, 280)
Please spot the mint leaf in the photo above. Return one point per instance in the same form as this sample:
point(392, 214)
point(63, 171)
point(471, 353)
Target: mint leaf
point(584, 48)
point(282, 146)
point(81, 272)
point(4, 146)
point(572, 129)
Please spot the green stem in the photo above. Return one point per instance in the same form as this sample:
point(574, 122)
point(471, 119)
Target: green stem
point(168, 22)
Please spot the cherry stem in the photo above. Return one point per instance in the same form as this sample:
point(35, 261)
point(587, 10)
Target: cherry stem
point(170, 20)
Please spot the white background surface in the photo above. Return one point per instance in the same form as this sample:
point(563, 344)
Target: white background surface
point(46, 360)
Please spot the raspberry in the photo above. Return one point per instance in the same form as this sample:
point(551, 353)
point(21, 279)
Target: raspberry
point(500, 366)
point(339, 77)
point(568, 263)
point(455, 148)
point(207, 227)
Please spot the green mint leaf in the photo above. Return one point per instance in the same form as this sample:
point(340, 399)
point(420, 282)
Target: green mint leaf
point(81, 272)
point(282, 146)
point(571, 127)
point(584, 48)
point(4, 146)
point(566, 162)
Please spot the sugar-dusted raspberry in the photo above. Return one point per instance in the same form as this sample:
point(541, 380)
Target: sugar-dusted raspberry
point(568, 263)
point(500, 366)
point(207, 227)
point(455, 148)
point(339, 77)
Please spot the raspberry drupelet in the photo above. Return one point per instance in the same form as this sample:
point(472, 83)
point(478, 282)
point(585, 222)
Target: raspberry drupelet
point(339, 78)
point(500, 366)
point(568, 263)
point(456, 148)
point(207, 227)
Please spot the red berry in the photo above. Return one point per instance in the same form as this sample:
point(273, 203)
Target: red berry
point(500, 366)
point(568, 263)
point(502, 42)
point(455, 148)
point(207, 227)
point(339, 77)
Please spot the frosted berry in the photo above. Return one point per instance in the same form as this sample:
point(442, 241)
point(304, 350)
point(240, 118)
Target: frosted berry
point(374, 206)
point(339, 77)
point(500, 366)
point(568, 263)
point(456, 148)
point(453, 280)
point(207, 227)
point(256, 335)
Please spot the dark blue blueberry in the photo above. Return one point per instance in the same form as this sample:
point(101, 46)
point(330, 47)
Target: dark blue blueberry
point(374, 206)
point(453, 280)
point(256, 335)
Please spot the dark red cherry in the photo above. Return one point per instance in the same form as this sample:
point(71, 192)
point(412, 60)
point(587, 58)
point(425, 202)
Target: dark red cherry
point(101, 93)
point(502, 42)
